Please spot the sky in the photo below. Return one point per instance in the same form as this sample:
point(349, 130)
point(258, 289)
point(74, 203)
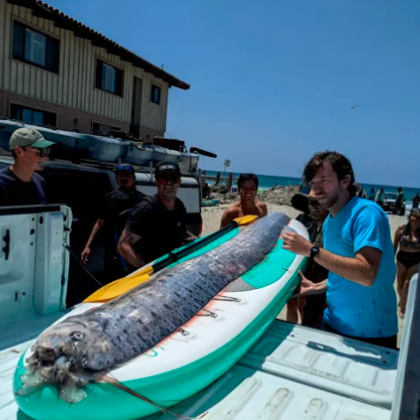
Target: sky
point(272, 82)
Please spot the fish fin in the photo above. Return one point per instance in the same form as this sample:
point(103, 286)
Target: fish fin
point(32, 359)
point(71, 393)
point(26, 391)
point(31, 379)
point(82, 378)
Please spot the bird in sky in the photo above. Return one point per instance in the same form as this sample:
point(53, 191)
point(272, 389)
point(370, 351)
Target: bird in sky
point(355, 106)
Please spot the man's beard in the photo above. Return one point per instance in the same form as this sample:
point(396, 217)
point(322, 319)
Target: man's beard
point(333, 198)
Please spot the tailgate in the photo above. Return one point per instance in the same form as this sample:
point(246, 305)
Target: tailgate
point(8, 361)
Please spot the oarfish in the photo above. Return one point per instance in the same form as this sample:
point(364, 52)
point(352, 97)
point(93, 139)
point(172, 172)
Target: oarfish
point(68, 353)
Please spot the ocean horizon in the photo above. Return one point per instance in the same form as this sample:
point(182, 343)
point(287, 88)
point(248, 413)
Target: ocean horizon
point(269, 181)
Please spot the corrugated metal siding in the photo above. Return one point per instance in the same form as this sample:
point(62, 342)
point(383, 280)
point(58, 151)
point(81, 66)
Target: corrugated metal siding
point(74, 86)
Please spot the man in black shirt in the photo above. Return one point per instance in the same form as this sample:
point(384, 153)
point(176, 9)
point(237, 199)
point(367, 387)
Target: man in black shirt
point(19, 184)
point(157, 224)
point(112, 218)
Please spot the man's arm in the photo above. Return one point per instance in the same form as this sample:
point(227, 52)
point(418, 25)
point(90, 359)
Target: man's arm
point(98, 226)
point(189, 237)
point(361, 269)
point(228, 216)
point(264, 209)
point(126, 250)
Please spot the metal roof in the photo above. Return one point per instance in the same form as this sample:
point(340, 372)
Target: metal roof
point(61, 20)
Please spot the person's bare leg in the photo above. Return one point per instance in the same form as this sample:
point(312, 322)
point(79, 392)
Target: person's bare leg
point(292, 311)
point(300, 306)
point(410, 273)
point(401, 280)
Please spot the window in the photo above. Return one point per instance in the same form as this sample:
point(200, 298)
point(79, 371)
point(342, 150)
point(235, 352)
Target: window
point(36, 48)
point(109, 78)
point(32, 116)
point(102, 129)
point(155, 94)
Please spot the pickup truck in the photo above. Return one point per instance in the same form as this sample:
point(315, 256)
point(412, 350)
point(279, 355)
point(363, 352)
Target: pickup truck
point(292, 373)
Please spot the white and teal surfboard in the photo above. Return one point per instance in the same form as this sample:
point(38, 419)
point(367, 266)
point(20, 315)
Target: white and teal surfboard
point(191, 358)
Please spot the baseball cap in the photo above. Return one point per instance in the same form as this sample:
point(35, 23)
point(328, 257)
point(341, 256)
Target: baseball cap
point(167, 168)
point(23, 137)
point(125, 168)
point(300, 201)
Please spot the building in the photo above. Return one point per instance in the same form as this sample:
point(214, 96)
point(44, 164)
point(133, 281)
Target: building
point(55, 70)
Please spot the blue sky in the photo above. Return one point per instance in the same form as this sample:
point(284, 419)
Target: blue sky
point(274, 81)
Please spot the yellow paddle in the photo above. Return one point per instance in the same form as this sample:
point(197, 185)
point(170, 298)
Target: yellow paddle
point(121, 286)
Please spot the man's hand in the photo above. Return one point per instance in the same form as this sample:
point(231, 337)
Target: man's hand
point(296, 243)
point(85, 254)
point(308, 288)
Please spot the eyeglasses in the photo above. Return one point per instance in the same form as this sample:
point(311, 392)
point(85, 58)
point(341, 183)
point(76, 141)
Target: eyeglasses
point(40, 152)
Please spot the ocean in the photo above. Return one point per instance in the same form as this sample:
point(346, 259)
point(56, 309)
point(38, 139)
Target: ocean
point(268, 181)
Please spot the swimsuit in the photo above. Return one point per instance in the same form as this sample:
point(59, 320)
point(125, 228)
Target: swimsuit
point(409, 259)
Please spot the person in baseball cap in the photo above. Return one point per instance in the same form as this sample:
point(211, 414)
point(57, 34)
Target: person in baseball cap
point(20, 184)
point(112, 217)
point(157, 225)
point(29, 137)
point(164, 168)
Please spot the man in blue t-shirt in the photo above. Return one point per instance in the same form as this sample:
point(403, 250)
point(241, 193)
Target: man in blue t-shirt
point(19, 183)
point(358, 252)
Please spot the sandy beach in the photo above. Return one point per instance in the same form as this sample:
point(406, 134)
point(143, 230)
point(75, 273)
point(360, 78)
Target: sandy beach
point(211, 222)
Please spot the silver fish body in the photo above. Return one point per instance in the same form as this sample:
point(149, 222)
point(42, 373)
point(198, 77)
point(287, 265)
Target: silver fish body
point(129, 325)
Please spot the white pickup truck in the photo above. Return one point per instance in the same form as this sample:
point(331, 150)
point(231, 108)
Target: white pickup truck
point(292, 373)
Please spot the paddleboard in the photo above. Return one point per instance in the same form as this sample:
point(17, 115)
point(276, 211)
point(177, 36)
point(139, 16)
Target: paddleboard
point(189, 359)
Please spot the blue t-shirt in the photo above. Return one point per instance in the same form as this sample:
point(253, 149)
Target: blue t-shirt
point(353, 309)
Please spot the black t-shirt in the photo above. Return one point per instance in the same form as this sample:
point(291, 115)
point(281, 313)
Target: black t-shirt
point(115, 203)
point(15, 192)
point(160, 230)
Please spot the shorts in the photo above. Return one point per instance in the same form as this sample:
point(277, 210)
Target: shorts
point(313, 311)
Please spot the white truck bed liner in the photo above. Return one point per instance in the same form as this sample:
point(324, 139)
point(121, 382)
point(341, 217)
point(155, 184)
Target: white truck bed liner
point(291, 373)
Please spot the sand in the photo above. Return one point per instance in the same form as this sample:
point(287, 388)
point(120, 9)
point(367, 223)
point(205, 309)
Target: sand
point(211, 223)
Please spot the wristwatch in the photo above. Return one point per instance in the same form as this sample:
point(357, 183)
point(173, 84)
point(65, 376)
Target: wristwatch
point(314, 252)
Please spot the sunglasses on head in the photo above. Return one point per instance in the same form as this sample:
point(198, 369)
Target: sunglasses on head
point(40, 152)
point(125, 168)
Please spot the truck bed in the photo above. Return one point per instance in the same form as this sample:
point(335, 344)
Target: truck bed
point(291, 373)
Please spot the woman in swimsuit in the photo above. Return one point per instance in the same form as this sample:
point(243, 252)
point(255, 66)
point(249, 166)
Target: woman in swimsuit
point(408, 258)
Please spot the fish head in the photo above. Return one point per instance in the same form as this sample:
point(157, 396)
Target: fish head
point(73, 344)
point(68, 355)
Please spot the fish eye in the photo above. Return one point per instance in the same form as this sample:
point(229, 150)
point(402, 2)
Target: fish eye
point(77, 336)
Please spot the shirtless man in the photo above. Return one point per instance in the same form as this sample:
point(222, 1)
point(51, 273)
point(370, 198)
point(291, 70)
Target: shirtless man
point(247, 188)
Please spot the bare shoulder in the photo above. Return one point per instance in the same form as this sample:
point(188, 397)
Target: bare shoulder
point(233, 211)
point(262, 207)
point(230, 214)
